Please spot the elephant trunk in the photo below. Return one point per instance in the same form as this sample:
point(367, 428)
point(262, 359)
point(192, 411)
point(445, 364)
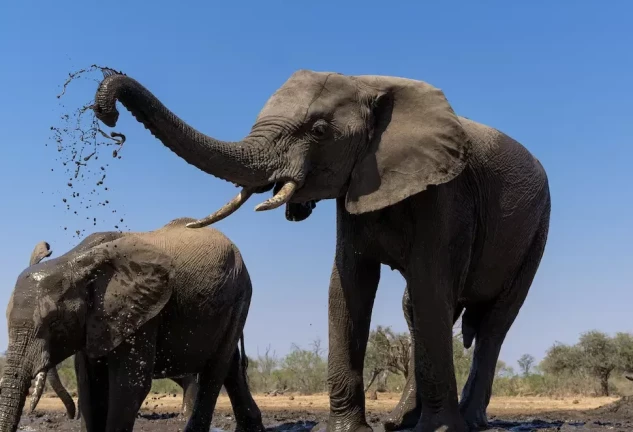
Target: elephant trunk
point(14, 387)
point(245, 163)
point(241, 162)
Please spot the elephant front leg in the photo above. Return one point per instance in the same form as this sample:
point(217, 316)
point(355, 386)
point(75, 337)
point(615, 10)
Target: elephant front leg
point(434, 371)
point(353, 288)
point(92, 385)
point(130, 367)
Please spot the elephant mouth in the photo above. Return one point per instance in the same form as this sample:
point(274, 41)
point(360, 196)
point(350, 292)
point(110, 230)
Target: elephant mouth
point(282, 194)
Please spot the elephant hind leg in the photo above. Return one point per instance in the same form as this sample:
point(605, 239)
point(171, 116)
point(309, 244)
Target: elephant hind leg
point(210, 383)
point(247, 414)
point(407, 412)
point(492, 328)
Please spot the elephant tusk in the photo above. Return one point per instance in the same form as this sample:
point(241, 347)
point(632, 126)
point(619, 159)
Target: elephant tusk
point(280, 198)
point(225, 211)
point(40, 382)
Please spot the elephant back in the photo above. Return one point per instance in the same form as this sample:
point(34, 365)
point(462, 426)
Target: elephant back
point(206, 260)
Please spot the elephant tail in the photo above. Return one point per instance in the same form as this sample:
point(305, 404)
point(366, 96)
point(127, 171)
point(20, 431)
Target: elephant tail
point(244, 358)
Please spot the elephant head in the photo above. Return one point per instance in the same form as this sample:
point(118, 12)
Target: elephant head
point(88, 299)
point(40, 251)
point(372, 140)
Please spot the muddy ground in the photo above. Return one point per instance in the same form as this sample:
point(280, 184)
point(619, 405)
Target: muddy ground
point(294, 413)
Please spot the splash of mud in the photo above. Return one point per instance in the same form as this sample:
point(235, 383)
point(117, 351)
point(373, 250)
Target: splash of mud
point(85, 152)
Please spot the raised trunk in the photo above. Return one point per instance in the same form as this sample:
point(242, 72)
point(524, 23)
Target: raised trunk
point(16, 380)
point(243, 162)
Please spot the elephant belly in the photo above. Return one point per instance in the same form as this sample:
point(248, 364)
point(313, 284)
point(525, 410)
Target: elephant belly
point(185, 347)
point(498, 254)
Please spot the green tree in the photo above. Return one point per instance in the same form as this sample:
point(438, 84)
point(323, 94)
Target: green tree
point(525, 364)
point(595, 353)
point(600, 356)
point(307, 368)
point(387, 352)
point(624, 346)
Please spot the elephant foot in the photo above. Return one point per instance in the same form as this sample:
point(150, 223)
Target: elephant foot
point(253, 428)
point(251, 425)
point(443, 421)
point(403, 416)
point(475, 418)
point(342, 425)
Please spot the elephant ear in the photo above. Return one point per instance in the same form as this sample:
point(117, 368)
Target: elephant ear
point(41, 251)
point(417, 142)
point(128, 286)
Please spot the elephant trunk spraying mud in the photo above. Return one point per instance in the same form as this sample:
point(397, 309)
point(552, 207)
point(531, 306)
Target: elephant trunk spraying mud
point(131, 307)
point(460, 209)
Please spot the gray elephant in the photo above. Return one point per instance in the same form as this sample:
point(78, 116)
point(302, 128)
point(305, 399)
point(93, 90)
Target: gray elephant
point(41, 251)
point(188, 383)
point(460, 209)
point(132, 307)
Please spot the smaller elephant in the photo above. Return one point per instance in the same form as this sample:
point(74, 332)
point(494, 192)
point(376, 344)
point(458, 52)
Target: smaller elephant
point(188, 384)
point(132, 307)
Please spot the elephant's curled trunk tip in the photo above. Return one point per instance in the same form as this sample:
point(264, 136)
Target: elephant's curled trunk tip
point(104, 106)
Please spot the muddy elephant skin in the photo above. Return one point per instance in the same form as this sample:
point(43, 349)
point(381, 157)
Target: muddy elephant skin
point(132, 307)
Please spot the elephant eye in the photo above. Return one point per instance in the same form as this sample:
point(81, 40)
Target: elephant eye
point(319, 129)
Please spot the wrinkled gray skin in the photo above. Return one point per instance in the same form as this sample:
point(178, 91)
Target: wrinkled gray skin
point(133, 307)
point(460, 209)
point(188, 383)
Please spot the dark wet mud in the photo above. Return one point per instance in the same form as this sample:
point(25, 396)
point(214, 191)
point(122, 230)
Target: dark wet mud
point(617, 416)
point(81, 159)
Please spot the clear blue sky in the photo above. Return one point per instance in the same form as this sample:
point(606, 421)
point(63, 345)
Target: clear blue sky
point(554, 75)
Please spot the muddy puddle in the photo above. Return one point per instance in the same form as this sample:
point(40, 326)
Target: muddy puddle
point(313, 422)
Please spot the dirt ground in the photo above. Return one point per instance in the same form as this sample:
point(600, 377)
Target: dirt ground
point(295, 413)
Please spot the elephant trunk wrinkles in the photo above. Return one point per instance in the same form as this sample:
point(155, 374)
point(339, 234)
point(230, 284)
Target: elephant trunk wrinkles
point(243, 163)
point(16, 380)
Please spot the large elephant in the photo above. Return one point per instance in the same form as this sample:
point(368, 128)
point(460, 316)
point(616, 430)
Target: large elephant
point(188, 383)
point(460, 209)
point(132, 307)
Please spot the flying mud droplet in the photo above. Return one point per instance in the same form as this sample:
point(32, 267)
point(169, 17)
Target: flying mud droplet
point(79, 140)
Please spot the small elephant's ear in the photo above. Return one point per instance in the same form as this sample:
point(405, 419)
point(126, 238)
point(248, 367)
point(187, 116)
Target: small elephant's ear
point(417, 142)
point(129, 287)
point(41, 251)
